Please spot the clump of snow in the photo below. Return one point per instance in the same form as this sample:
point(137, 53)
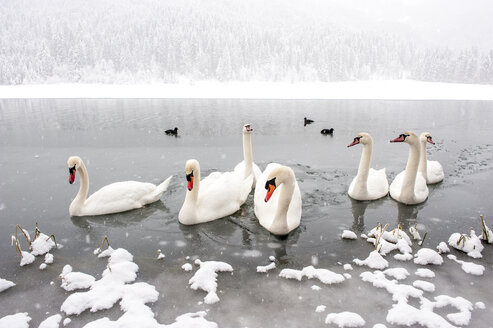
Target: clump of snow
point(468, 244)
point(414, 233)
point(27, 258)
point(400, 292)
point(42, 245)
point(407, 315)
point(345, 319)
point(443, 248)
point(206, 278)
point(5, 284)
point(479, 305)
point(18, 320)
point(424, 285)
point(266, 268)
point(465, 307)
point(397, 273)
point(427, 256)
point(348, 266)
point(425, 273)
point(272, 258)
point(347, 275)
point(49, 258)
point(469, 267)
point(320, 308)
point(347, 234)
point(51, 322)
point(315, 287)
point(75, 280)
point(403, 257)
point(374, 261)
point(379, 325)
point(325, 276)
point(42, 266)
point(187, 267)
point(66, 321)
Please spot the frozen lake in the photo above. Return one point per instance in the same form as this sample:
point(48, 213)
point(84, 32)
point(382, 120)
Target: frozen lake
point(124, 140)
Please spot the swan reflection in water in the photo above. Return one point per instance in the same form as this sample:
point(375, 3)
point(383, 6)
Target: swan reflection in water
point(407, 215)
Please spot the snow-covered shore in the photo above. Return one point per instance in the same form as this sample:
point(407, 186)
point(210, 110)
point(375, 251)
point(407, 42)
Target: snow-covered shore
point(386, 90)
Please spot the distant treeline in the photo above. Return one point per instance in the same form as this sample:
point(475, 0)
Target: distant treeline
point(164, 41)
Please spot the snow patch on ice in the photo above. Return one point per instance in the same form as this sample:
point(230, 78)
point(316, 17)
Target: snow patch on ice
point(443, 248)
point(325, 276)
point(468, 244)
point(42, 245)
point(75, 280)
point(425, 273)
point(424, 285)
point(397, 273)
point(427, 256)
point(263, 269)
point(347, 234)
point(51, 322)
point(315, 287)
point(320, 308)
point(345, 319)
point(187, 267)
point(5, 284)
point(400, 292)
point(469, 267)
point(374, 261)
point(18, 320)
point(27, 258)
point(206, 278)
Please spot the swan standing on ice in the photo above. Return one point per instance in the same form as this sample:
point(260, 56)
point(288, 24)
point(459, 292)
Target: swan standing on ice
point(113, 198)
point(432, 171)
point(278, 212)
point(247, 166)
point(216, 196)
point(409, 187)
point(368, 184)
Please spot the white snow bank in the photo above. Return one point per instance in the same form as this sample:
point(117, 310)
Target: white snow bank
point(425, 273)
point(469, 267)
point(206, 278)
point(374, 261)
point(51, 322)
point(427, 256)
point(396, 89)
point(345, 319)
point(75, 280)
point(468, 244)
point(265, 268)
point(5, 284)
point(18, 320)
point(325, 276)
point(347, 234)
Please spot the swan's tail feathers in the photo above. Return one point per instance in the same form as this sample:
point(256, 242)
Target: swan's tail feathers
point(164, 185)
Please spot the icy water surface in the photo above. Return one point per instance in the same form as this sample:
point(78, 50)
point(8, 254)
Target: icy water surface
point(124, 140)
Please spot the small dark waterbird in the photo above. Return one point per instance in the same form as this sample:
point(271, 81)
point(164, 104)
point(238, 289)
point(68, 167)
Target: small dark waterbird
point(307, 121)
point(172, 132)
point(327, 131)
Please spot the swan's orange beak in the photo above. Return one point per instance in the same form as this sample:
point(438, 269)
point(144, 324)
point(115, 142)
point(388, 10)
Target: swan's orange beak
point(400, 138)
point(71, 177)
point(355, 142)
point(270, 186)
point(190, 181)
point(430, 140)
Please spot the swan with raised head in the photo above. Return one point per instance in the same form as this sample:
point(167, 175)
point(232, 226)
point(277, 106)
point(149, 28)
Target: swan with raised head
point(113, 198)
point(409, 187)
point(280, 211)
point(368, 184)
point(432, 171)
point(216, 196)
point(247, 166)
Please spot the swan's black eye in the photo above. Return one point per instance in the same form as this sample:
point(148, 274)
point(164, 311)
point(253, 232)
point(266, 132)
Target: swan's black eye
point(189, 176)
point(270, 182)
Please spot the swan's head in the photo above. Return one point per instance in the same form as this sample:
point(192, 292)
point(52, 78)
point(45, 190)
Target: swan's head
point(408, 137)
point(426, 137)
point(362, 138)
point(247, 129)
point(73, 164)
point(276, 177)
point(191, 166)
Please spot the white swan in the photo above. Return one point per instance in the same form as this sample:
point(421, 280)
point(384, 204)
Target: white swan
point(278, 212)
point(247, 166)
point(432, 171)
point(113, 198)
point(409, 187)
point(216, 196)
point(368, 184)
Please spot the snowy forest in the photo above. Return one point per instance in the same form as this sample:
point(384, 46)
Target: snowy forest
point(124, 41)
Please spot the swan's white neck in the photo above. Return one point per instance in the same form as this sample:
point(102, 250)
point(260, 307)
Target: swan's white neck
point(280, 223)
point(423, 163)
point(407, 191)
point(247, 154)
point(364, 167)
point(81, 197)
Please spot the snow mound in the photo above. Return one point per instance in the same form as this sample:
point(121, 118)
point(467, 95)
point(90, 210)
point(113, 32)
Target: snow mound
point(400, 292)
point(347, 234)
point(42, 245)
point(345, 319)
point(206, 278)
point(468, 244)
point(374, 261)
point(263, 269)
point(187, 267)
point(18, 320)
point(443, 248)
point(397, 273)
point(424, 285)
point(325, 276)
point(26, 258)
point(465, 307)
point(75, 280)
point(425, 273)
point(427, 256)
point(51, 322)
point(320, 308)
point(469, 267)
point(5, 284)
point(407, 315)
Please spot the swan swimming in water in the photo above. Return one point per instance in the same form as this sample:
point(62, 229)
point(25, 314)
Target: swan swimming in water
point(247, 166)
point(278, 210)
point(432, 171)
point(113, 198)
point(368, 184)
point(216, 196)
point(409, 187)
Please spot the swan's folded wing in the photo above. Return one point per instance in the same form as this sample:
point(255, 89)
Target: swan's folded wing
point(434, 172)
point(378, 185)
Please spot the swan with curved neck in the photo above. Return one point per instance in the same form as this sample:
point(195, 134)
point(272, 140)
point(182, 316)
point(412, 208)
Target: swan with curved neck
point(369, 184)
point(113, 198)
point(216, 196)
point(247, 166)
point(409, 187)
point(279, 209)
point(432, 171)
